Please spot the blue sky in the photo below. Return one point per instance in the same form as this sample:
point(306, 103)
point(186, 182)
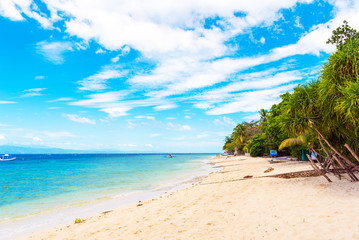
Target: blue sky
point(164, 76)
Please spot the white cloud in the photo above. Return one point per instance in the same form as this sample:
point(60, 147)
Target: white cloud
point(99, 99)
point(54, 51)
point(57, 135)
point(130, 124)
point(98, 81)
point(251, 101)
point(115, 59)
point(262, 40)
point(100, 51)
point(180, 138)
point(165, 107)
point(2, 137)
point(124, 51)
point(37, 139)
point(155, 134)
point(33, 92)
point(76, 118)
point(127, 145)
point(253, 117)
point(149, 145)
point(13, 9)
point(202, 135)
point(63, 99)
point(178, 127)
point(8, 9)
point(39, 77)
point(202, 105)
point(115, 112)
point(225, 121)
point(187, 57)
point(7, 102)
point(188, 117)
point(107, 102)
point(146, 117)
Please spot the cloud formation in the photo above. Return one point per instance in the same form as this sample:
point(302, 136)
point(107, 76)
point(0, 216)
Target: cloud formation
point(33, 92)
point(77, 118)
point(54, 51)
point(190, 45)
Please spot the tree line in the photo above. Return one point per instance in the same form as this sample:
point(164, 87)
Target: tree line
point(321, 110)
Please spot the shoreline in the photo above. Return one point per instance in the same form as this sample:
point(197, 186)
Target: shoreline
point(228, 204)
point(66, 214)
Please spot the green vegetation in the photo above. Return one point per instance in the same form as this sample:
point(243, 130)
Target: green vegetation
point(327, 107)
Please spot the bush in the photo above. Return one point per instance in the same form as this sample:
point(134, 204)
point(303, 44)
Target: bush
point(295, 151)
point(259, 145)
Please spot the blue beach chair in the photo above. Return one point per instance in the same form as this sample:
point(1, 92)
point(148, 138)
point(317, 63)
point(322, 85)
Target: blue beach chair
point(273, 153)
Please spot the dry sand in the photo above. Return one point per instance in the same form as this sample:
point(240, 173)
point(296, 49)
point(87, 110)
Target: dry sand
point(225, 205)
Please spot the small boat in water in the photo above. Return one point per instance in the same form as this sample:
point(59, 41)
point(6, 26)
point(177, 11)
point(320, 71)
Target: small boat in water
point(7, 157)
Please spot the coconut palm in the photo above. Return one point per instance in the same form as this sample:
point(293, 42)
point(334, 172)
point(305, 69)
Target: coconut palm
point(291, 142)
point(238, 136)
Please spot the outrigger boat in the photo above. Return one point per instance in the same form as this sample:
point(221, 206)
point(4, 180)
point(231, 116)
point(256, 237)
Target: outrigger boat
point(7, 157)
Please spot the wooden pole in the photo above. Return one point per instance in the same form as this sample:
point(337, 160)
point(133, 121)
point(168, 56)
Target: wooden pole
point(317, 169)
point(341, 156)
point(351, 175)
point(352, 152)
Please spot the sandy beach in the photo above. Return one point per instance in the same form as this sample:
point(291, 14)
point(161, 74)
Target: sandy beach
point(239, 201)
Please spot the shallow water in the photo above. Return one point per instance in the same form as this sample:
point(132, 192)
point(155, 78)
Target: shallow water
point(36, 184)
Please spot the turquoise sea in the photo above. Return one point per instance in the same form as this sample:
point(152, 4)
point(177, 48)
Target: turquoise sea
point(41, 190)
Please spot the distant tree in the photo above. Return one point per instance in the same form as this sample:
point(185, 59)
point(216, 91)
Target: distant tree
point(238, 136)
point(228, 145)
point(263, 114)
point(259, 145)
point(342, 34)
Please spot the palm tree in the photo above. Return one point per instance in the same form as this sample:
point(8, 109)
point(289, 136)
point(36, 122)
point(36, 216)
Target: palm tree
point(291, 142)
point(263, 113)
point(238, 137)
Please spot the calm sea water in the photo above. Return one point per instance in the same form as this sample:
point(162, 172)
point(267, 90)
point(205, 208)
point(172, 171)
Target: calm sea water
point(36, 184)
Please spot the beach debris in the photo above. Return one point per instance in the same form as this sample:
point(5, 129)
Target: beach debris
point(269, 170)
point(105, 212)
point(139, 205)
point(248, 176)
point(78, 220)
point(300, 174)
point(334, 162)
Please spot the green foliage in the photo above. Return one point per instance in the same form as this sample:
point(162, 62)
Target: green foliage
point(259, 145)
point(272, 127)
point(342, 34)
point(338, 96)
point(296, 151)
point(241, 134)
point(329, 105)
point(228, 145)
point(291, 142)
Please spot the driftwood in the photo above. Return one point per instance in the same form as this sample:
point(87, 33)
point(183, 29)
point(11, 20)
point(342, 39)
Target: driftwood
point(340, 155)
point(352, 152)
point(334, 162)
point(316, 168)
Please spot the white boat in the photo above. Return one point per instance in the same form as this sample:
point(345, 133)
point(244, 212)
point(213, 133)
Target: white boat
point(7, 157)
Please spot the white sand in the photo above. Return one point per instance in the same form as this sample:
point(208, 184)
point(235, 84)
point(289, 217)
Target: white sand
point(226, 206)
